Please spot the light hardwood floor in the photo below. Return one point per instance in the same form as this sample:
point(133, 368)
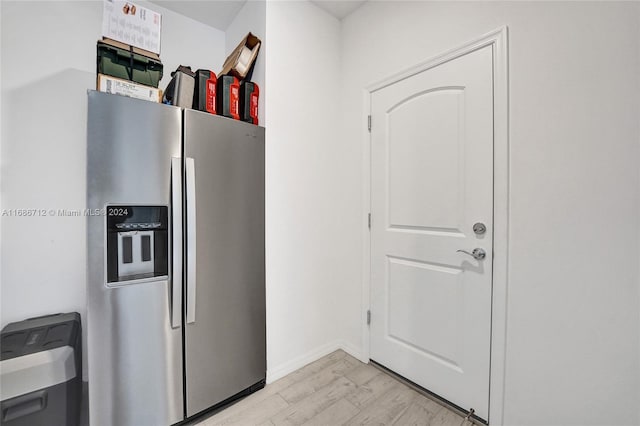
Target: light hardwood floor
point(336, 390)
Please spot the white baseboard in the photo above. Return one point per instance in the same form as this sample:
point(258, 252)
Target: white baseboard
point(279, 371)
point(354, 351)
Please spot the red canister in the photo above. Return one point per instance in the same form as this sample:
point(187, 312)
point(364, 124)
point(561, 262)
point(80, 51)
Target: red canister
point(204, 94)
point(249, 95)
point(228, 97)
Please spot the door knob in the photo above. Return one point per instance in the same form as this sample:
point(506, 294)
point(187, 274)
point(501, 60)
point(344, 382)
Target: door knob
point(477, 253)
point(479, 228)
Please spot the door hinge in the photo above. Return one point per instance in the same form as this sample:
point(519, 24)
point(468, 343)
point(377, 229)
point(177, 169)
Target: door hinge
point(369, 220)
point(368, 317)
point(369, 123)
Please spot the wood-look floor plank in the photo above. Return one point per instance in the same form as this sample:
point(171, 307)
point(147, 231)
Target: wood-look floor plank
point(371, 390)
point(245, 404)
point(336, 389)
point(312, 405)
point(314, 367)
point(334, 415)
point(419, 413)
point(362, 374)
point(273, 388)
point(259, 413)
point(446, 417)
point(386, 409)
point(306, 387)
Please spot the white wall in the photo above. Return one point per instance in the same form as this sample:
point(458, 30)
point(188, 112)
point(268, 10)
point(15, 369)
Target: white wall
point(251, 18)
point(48, 62)
point(304, 187)
point(573, 327)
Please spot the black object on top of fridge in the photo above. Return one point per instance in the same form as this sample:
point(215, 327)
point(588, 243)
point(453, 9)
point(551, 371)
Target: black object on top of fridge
point(249, 94)
point(204, 95)
point(179, 92)
point(228, 97)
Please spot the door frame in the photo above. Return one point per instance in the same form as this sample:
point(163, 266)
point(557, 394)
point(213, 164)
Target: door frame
point(498, 39)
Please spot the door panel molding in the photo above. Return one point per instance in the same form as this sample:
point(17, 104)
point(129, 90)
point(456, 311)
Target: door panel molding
point(425, 92)
point(498, 39)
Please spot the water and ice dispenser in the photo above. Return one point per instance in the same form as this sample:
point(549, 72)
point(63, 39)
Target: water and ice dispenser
point(137, 243)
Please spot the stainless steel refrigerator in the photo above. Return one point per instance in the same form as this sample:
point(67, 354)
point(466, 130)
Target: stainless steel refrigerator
point(176, 269)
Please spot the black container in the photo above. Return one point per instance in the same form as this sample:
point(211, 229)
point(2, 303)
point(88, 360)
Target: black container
point(228, 97)
point(115, 60)
point(204, 94)
point(179, 91)
point(249, 95)
point(54, 399)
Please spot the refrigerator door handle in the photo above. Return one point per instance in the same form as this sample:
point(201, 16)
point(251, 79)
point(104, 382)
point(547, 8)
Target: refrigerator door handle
point(191, 240)
point(176, 242)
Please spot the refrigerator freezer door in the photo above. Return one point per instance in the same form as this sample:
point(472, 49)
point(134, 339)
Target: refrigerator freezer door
point(134, 354)
point(225, 349)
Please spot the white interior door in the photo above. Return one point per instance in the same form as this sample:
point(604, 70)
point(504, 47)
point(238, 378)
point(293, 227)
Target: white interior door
point(431, 181)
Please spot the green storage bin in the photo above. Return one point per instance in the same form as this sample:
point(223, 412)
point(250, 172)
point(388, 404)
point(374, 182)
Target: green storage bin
point(129, 65)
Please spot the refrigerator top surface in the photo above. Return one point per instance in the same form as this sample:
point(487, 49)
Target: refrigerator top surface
point(97, 94)
point(221, 118)
point(121, 99)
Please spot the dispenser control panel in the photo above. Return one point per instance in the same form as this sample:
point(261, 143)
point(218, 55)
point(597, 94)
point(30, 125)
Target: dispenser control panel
point(137, 243)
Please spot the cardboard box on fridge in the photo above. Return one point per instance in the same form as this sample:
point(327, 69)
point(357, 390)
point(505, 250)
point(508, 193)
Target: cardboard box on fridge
point(132, 24)
point(240, 61)
point(118, 86)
